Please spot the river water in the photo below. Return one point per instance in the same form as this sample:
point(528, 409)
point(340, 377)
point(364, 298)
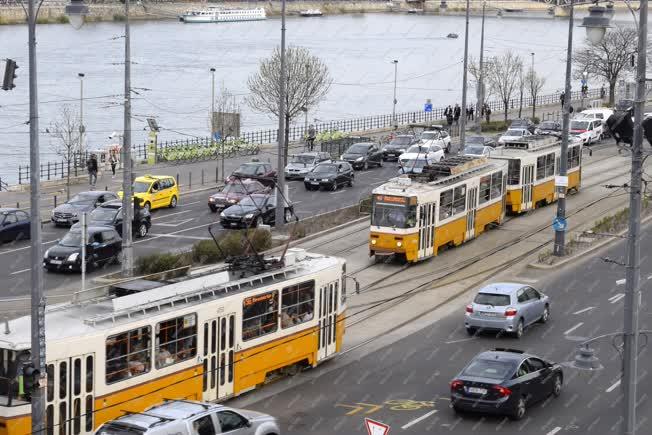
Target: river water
point(171, 62)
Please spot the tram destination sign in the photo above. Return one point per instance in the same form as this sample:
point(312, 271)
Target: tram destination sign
point(389, 199)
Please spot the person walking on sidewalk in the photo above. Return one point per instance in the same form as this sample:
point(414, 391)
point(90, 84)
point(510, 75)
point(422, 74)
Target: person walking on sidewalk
point(487, 112)
point(311, 137)
point(91, 166)
point(457, 112)
point(113, 162)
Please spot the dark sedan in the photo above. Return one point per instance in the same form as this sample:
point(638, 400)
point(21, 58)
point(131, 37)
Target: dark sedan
point(329, 176)
point(397, 146)
point(70, 212)
point(110, 215)
point(231, 193)
point(252, 211)
point(363, 155)
point(548, 127)
point(260, 171)
point(14, 225)
point(103, 246)
point(480, 140)
point(506, 382)
point(523, 123)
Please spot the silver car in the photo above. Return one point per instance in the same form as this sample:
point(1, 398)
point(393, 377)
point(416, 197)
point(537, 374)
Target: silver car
point(301, 164)
point(509, 307)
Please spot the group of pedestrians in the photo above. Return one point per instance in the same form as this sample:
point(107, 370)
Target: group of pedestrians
point(453, 114)
point(92, 167)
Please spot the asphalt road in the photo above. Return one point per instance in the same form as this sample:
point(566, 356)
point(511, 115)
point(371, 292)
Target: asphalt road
point(414, 372)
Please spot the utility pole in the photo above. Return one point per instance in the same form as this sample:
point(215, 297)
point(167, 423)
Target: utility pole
point(213, 120)
point(127, 207)
point(466, 60)
point(480, 90)
point(82, 129)
point(395, 62)
point(280, 158)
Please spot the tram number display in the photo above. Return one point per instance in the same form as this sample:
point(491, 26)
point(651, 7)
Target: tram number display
point(260, 298)
point(398, 200)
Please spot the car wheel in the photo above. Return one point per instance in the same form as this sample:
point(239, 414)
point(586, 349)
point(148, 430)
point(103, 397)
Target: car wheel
point(117, 259)
point(351, 181)
point(334, 186)
point(471, 331)
point(545, 315)
point(173, 202)
point(142, 230)
point(556, 386)
point(259, 221)
point(147, 207)
point(380, 163)
point(519, 409)
point(518, 333)
point(213, 208)
point(448, 148)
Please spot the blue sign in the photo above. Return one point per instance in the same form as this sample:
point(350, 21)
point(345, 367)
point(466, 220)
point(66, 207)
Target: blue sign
point(427, 107)
point(584, 82)
point(217, 136)
point(559, 224)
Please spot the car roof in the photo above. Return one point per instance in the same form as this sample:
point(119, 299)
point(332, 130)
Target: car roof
point(95, 193)
point(93, 229)
point(504, 288)
point(252, 163)
point(167, 411)
point(7, 209)
point(149, 177)
point(244, 181)
point(114, 203)
point(404, 135)
point(511, 355)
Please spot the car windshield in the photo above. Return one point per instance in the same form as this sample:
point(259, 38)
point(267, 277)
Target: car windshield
point(430, 135)
point(418, 149)
point(82, 199)
point(103, 214)
point(579, 125)
point(475, 140)
point(401, 140)
point(247, 169)
point(358, 149)
point(305, 159)
point(492, 369)
point(474, 149)
point(548, 125)
point(141, 187)
point(514, 132)
point(393, 212)
point(119, 429)
point(253, 201)
point(325, 169)
point(72, 239)
point(497, 300)
point(414, 163)
point(235, 188)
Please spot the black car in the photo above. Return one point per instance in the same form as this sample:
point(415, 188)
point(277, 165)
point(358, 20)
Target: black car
point(397, 146)
point(548, 127)
point(480, 140)
point(506, 382)
point(110, 215)
point(103, 246)
point(523, 123)
point(362, 155)
point(260, 171)
point(14, 225)
point(329, 176)
point(69, 213)
point(252, 211)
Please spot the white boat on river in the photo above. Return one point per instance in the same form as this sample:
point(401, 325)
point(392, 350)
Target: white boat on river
point(219, 15)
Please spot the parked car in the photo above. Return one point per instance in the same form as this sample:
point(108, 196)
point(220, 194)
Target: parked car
point(330, 176)
point(185, 417)
point(231, 193)
point(513, 134)
point(362, 155)
point(397, 146)
point(602, 113)
point(505, 382)
point(303, 163)
point(414, 165)
point(109, 214)
point(155, 191)
point(434, 153)
point(70, 212)
point(252, 211)
point(548, 127)
point(588, 130)
point(523, 123)
point(104, 246)
point(259, 171)
point(509, 307)
point(480, 140)
point(436, 135)
point(477, 150)
point(14, 225)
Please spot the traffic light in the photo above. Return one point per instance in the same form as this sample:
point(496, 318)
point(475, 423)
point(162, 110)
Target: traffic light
point(31, 377)
point(10, 75)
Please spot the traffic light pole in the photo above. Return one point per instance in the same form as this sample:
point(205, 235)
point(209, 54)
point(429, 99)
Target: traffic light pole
point(280, 202)
point(127, 208)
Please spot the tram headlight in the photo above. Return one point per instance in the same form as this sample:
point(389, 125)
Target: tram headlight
point(399, 244)
point(373, 241)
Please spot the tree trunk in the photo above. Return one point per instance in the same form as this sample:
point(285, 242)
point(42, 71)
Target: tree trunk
point(286, 145)
point(534, 107)
point(612, 93)
point(520, 103)
point(506, 105)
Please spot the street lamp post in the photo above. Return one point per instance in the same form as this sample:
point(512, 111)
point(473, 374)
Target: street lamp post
point(82, 129)
point(280, 158)
point(466, 60)
point(395, 62)
point(127, 208)
point(480, 90)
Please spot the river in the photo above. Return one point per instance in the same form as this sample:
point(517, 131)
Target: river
point(171, 61)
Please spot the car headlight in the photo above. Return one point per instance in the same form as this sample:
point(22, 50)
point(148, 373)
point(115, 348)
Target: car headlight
point(231, 201)
point(52, 213)
point(401, 150)
point(211, 199)
point(399, 244)
point(45, 254)
point(222, 214)
point(324, 179)
point(74, 214)
point(359, 159)
point(73, 257)
point(249, 215)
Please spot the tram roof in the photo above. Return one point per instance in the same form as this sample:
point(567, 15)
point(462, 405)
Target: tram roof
point(95, 315)
point(528, 146)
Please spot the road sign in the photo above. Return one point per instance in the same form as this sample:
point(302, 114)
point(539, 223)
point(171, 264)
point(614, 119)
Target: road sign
point(584, 81)
point(376, 427)
point(427, 107)
point(559, 224)
point(217, 136)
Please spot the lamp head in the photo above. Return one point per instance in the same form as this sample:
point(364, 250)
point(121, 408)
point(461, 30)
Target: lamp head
point(76, 10)
point(597, 23)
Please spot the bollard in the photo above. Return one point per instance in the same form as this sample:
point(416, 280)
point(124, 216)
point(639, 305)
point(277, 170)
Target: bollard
point(55, 201)
point(202, 177)
point(177, 178)
point(189, 180)
point(106, 188)
point(17, 204)
point(217, 175)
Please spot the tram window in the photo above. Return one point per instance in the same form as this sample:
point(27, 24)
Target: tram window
point(205, 338)
point(76, 377)
point(343, 286)
point(89, 413)
point(550, 165)
point(63, 379)
point(89, 373)
point(297, 304)
point(128, 354)
point(230, 366)
point(446, 204)
point(541, 167)
point(496, 184)
point(231, 330)
point(223, 334)
point(514, 172)
point(259, 315)
point(76, 420)
point(49, 420)
point(485, 189)
point(62, 418)
point(573, 157)
point(214, 336)
point(50, 384)
point(222, 368)
point(459, 200)
point(176, 340)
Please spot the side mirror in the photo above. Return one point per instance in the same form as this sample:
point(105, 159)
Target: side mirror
point(5, 223)
point(248, 423)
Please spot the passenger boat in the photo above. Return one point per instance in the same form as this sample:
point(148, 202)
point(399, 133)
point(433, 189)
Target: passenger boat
point(218, 15)
point(452, 36)
point(311, 13)
point(415, 11)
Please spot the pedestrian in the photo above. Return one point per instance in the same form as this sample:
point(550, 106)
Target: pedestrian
point(468, 114)
point(562, 97)
point(311, 137)
point(91, 166)
point(448, 111)
point(113, 161)
point(487, 113)
point(456, 113)
point(602, 93)
point(449, 120)
point(472, 113)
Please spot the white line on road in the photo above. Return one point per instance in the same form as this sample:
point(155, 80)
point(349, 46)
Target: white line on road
point(189, 203)
point(616, 298)
point(621, 282)
point(649, 277)
point(584, 310)
point(573, 328)
point(23, 248)
point(462, 340)
point(417, 420)
point(175, 224)
point(613, 387)
point(171, 214)
point(339, 191)
point(528, 280)
point(181, 237)
point(554, 431)
point(20, 271)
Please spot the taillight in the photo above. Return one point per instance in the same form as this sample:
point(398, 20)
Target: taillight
point(510, 312)
point(502, 391)
point(469, 308)
point(457, 384)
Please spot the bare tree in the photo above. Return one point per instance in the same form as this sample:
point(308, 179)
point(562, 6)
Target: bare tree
point(609, 58)
point(474, 70)
point(66, 132)
point(503, 76)
point(521, 91)
point(534, 83)
point(308, 81)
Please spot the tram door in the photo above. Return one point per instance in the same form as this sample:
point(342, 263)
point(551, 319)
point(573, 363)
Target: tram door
point(218, 357)
point(471, 205)
point(526, 189)
point(426, 230)
point(328, 300)
point(69, 395)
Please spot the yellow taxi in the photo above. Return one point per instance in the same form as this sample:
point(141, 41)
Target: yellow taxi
point(156, 191)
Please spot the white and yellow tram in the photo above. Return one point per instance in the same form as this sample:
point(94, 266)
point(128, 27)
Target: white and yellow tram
point(533, 163)
point(207, 338)
point(416, 218)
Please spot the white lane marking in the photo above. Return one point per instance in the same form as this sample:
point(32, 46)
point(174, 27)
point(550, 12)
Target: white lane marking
point(528, 280)
point(174, 232)
point(616, 298)
point(339, 191)
point(171, 214)
point(584, 310)
point(23, 248)
point(176, 236)
point(462, 340)
point(175, 224)
point(554, 431)
point(19, 271)
point(189, 203)
point(649, 277)
point(380, 182)
point(621, 282)
point(417, 420)
point(573, 328)
point(613, 387)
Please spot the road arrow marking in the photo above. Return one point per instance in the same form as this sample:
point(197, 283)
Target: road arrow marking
point(613, 387)
point(621, 282)
point(573, 328)
point(554, 431)
point(360, 407)
point(175, 224)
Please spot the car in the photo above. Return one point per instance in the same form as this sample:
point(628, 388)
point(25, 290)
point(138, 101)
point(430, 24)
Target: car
point(602, 113)
point(260, 171)
point(480, 140)
point(588, 130)
point(14, 225)
point(362, 155)
point(548, 127)
point(397, 146)
point(231, 193)
point(329, 176)
point(436, 135)
point(513, 134)
point(109, 214)
point(523, 123)
point(253, 211)
point(301, 164)
point(187, 417)
point(505, 382)
point(506, 307)
point(477, 150)
point(104, 246)
point(434, 153)
point(84, 202)
point(414, 165)
point(155, 191)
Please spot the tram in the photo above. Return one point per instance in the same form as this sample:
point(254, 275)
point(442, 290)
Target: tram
point(207, 338)
point(533, 162)
point(449, 203)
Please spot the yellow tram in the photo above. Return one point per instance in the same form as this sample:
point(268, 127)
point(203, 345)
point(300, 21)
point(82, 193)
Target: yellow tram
point(533, 163)
point(206, 338)
point(452, 203)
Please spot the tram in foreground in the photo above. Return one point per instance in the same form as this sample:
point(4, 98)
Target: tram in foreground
point(449, 203)
point(207, 338)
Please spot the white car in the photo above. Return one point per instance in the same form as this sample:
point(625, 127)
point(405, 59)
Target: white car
point(601, 113)
point(513, 134)
point(434, 153)
point(477, 150)
point(438, 137)
point(588, 130)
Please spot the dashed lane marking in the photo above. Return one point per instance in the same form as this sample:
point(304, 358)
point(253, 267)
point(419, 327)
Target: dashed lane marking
point(621, 282)
point(171, 214)
point(613, 387)
point(584, 310)
point(175, 224)
point(528, 280)
point(616, 298)
point(419, 419)
point(20, 271)
point(573, 328)
point(176, 236)
point(461, 340)
point(554, 431)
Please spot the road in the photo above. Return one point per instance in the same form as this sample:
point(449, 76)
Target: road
point(406, 384)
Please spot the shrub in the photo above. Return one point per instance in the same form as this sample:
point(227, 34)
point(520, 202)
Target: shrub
point(119, 17)
point(233, 243)
point(62, 19)
point(495, 125)
point(261, 239)
point(205, 252)
point(158, 263)
point(536, 120)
